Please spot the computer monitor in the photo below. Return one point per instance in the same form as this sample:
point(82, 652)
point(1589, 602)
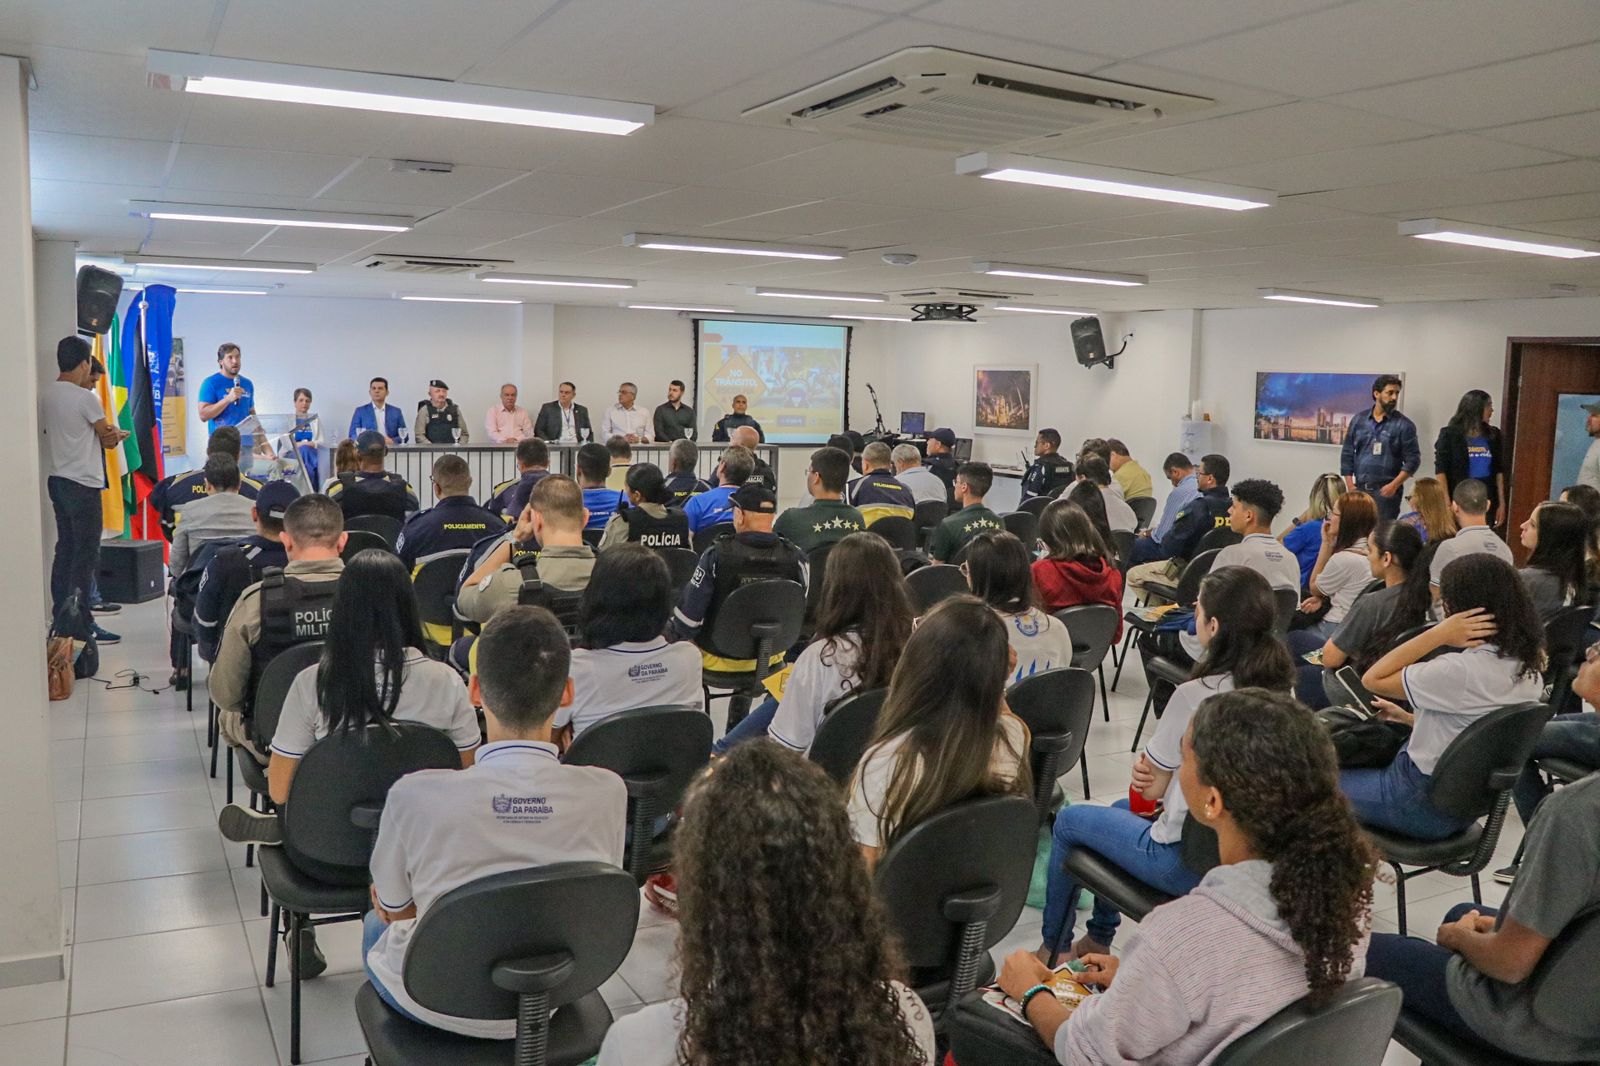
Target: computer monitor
point(913, 423)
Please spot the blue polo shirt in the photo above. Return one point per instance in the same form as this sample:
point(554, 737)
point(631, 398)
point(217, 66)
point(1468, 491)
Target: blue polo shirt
point(216, 387)
point(710, 507)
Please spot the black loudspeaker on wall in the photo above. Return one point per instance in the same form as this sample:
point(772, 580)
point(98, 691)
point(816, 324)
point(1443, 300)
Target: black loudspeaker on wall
point(1090, 344)
point(98, 290)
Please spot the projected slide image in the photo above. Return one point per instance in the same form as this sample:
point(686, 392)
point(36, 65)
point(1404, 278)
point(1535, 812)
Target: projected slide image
point(791, 374)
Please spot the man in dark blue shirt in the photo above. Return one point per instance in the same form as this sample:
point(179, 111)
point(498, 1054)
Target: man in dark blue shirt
point(453, 523)
point(1380, 448)
point(681, 479)
point(507, 499)
point(1161, 560)
point(175, 490)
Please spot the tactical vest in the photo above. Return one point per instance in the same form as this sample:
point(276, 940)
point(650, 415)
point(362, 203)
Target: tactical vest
point(669, 531)
point(739, 563)
point(437, 427)
point(373, 495)
point(293, 611)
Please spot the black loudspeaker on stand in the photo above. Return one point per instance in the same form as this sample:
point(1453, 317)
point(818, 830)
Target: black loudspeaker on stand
point(98, 291)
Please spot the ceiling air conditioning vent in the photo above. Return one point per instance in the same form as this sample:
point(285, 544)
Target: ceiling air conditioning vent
point(429, 264)
point(979, 296)
point(935, 96)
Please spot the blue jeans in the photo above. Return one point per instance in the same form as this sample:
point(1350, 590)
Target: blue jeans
point(1566, 736)
point(1418, 967)
point(1396, 798)
point(372, 928)
point(755, 724)
point(1123, 838)
point(1308, 685)
point(1310, 638)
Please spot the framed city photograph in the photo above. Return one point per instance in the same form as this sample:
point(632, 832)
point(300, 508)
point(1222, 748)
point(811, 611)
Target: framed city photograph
point(1309, 408)
point(1002, 399)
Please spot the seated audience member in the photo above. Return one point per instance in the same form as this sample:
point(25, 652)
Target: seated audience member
point(1050, 471)
point(1097, 447)
point(828, 519)
point(1470, 505)
point(623, 661)
point(1088, 498)
point(1133, 479)
point(876, 493)
point(1304, 535)
point(999, 573)
point(621, 453)
point(601, 502)
point(681, 480)
point(858, 444)
point(1285, 915)
point(712, 506)
point(845, 444)
point(1557, 575)
point(1475, 980)
point(238, 566)
point(863, 621)
point(1586, 498)
point(1240, 649)
point(440, 830)
point(455, 520)
point(909, 471)
point(1255, 504)
point(1342, 572)
point(752, 552)
point(1180, 473)
point(1430, 512)
point(375, 615)
point(1162, 559)
point(554, 519)
point(768, 872)
point(1119, 515)
point(1078, 568)
point(346, 459)
point(1395, 556)
point(941, 460)
point(973, 481)
point(746, 437)
point(945, 733)
point(1495, 658)
point(176, 491)
point(648, 519)
point(533, 463)
point(221, 514)
point(370, 489)
point(739, 416)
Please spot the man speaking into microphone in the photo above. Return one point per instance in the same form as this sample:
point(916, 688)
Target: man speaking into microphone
point(227, 397)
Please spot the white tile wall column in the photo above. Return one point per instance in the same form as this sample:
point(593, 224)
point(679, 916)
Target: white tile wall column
point(30, 899)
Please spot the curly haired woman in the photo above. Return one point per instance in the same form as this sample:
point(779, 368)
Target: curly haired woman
point(785, 957)
point(1283, 916)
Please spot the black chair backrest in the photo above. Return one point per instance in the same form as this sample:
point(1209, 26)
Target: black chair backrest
point(1188, 588)
point(1351, 1029)
point(1485, 759)
point(1092, 626)
point(1217, 537)
point(591, 537)
point(583, 911)
point(1144, 509)
point(1199, 848)
point(1563, 982)
point(681, 562)
point(817, 574)
point(274, 684)
point(845, 732)
point(386, 526)
point(979, 847)
point(346, 770)
point(1057, 707)
point(654, 749)
point(357, 541)
point(930, 584)
point(1035, 505)
point(1122, 543)
point(435, 586)
point(1566, 634)
point(703, 539)
point(929, 513)
point(1286, 602)
point(778, 607)
point(898, 530)
point(1023, 525)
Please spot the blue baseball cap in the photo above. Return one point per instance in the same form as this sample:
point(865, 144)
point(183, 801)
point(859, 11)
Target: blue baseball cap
point(274, 499)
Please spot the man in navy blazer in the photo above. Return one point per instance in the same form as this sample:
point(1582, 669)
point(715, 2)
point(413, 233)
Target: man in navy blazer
point(379, 415)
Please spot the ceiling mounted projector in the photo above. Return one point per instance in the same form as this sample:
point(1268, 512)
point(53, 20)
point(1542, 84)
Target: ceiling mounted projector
point(943, 312)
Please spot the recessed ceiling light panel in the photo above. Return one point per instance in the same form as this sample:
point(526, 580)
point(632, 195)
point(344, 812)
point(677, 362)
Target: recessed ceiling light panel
point(720, 246)
point(270, 216)
point(1503, 240)
point(246, 266)
point(458, 300)
point(1046, 273)
point(1330, 299)
point(680, 307)
point(1112, 181)
point(1041, 310)
point(505, 277)
point(820, 294)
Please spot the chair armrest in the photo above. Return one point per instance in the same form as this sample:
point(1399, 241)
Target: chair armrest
point(1051, 743)
point(1503, 780)
point(366, 815)
point(533, 974)
point(975, 905)
point(1162, 589)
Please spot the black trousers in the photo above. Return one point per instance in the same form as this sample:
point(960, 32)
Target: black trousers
point(77, 510)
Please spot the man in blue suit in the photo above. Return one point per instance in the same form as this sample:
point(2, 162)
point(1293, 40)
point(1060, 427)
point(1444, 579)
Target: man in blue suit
point(378, 415)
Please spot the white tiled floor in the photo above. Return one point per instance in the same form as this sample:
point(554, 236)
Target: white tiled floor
point(166, 943)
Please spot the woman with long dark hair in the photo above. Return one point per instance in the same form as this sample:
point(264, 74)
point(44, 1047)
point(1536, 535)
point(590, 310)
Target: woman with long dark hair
point(1078, 567)
point(1469, 447)
point(647, 519)
point(945, 733)
point(785, 958)
point(999, 572)
point(1088, 497)
point(1557, 535)
point(1236, 623)
point(1341, 571)
point(1494, 655)
point(1283, 916)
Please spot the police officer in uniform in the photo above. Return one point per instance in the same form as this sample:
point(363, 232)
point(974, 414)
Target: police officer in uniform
point(508, 498)
point(238, 566)
point(439, 420)
point(739, 416)
point(648, 520)
point(1050, 471)
point(453, 523)
point(876, 493)
point(763, 475)
point(682, 481)
point(941, 460)
point(172, 492)
point(370, 489)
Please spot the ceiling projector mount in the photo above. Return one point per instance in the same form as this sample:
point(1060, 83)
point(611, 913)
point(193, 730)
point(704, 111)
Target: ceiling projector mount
point(944, 312)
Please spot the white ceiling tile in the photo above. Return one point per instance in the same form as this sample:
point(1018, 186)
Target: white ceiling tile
point(101, 94)
point(1429, 157)
point(1536, 209)
point(97, 231)
point(1437, 196)
point(375, 180)
point(568, 194)
point(684, 150)
point(75, 157)
point(1574, 134)
point(235, 123)
point(201, 167)
point(822, 217)
point(692, 207)
point(88, 197)
point(179, 25)
point(484, 225)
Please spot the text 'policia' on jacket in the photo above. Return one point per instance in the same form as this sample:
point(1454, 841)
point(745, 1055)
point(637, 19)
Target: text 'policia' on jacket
point(293, 611)
point(671, 530)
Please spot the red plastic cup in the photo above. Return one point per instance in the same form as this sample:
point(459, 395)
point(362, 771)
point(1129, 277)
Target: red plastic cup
point(1138, 804)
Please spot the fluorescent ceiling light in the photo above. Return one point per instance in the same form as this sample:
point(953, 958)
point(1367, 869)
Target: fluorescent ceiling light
point(678, 307)
point(508, 278)
point(228, 292)
point(458, 300)
point(270, 216)
point(1083, 177)
point(248, 266)
point(396, 95)
point(1331, 299)
point(719, 246)
point(1041, 310)
point(820, 294)
point(1044, 273)
point(870, 318)
point(1504, 240)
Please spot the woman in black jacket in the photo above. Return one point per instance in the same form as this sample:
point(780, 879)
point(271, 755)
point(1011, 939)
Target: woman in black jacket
point(1469, 447)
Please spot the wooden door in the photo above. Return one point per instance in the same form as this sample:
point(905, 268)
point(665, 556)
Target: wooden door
point(1538, 371)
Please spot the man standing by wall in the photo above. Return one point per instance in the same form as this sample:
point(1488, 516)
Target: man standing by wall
point(226, 397)
point(507, 423)
point(1380, 448)
point(674, 420)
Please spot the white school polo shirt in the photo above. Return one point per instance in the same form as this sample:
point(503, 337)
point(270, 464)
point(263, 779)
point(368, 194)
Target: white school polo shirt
point(431, 693)
point(650, 673)
point(1261, 553)
point(517, 807)
point(1165, 750)
point(1344, 576)
point(818, 678)
point(1449, 692)
point(1469, 540)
